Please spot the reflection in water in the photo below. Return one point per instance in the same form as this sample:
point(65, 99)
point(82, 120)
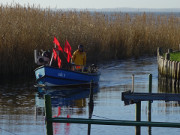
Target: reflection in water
point(168, 85)
point(16, 108)
point(66, 97)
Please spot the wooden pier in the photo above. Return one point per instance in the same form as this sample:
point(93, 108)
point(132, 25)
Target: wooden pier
point(129, 98)
point(167, 69)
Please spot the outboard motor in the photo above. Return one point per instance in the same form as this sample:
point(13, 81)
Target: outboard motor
point(92, 69)
point(42, 58)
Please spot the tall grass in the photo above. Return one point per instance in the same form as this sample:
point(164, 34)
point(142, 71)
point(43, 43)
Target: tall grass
point(105, 37)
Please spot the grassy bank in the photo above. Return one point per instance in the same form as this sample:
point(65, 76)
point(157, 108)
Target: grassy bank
point(105, 37)
point(175, 56)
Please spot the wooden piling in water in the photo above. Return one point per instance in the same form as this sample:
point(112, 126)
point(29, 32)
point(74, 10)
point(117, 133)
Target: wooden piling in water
point(48, 115)
point(167, 56)
point(149, 103)
point(132, 82)
point(138, 117)
point(170, 50)
point(168, 68)
point(91, 106)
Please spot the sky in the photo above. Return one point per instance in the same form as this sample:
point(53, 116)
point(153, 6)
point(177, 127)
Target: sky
point(98, 4)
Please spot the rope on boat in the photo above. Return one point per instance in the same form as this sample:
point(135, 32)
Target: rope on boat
point(8, 131)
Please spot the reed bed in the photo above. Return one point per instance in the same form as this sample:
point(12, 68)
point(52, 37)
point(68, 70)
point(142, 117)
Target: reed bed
point(105, 36)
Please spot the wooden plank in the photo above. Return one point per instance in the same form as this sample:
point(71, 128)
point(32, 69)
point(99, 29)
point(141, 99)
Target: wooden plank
point(168, 67)
point(162, 62)
point(178, 73)
point(177, 70)
point(172, 70)
point(131, 98)
point(164, 68)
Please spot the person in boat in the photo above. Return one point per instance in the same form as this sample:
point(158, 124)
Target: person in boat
point(79, 58)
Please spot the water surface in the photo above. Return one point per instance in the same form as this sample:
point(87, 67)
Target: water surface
point(22, 107)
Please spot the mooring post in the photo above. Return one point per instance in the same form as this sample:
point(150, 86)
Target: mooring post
point(91, 106)
point(132, 82)
point(138, 117)
point(48, 115)
point(91, 93)
point(167, 56)
point(159, 51)
point(170, 50)
point(149, 103)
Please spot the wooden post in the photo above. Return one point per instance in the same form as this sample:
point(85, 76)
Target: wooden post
point(132, 82)
point(149, 103)
point(138, 117)
point(175, 70)
point(91, 106)
point(91, 93)
point(178, 71)
point(170, 50)
point(167, 56)
point(159, 51)
point(35, 56)
point(48, 115)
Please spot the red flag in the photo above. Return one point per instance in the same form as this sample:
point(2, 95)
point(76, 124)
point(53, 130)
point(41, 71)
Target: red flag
point(59, 62)
point(67, 49)
point(58, 44)
point(55, 54)
point(68, 58)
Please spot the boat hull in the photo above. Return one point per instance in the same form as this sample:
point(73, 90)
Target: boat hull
point(51, 76)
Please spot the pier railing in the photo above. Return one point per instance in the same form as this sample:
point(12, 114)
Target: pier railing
point(128, 98)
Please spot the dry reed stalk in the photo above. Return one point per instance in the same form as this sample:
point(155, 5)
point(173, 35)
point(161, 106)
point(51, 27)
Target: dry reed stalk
point(105, 37)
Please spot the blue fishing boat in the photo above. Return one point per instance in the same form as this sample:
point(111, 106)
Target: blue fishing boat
point(53, 76)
